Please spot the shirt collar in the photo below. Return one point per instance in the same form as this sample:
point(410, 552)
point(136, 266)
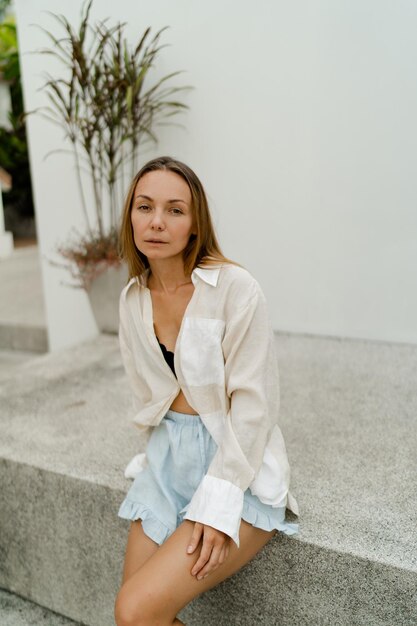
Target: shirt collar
point(209, 275)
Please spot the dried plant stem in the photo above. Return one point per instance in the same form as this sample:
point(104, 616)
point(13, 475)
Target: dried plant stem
point(81, 190)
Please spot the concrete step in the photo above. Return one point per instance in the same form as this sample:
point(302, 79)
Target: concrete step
point(16, 611)
point(23, 337)
point(22, 311)
point(348, 411)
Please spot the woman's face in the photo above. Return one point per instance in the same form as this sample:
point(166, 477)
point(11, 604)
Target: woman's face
point(161, 214)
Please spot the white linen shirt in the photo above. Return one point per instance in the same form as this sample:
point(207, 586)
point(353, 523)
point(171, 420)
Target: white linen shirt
point(227, 368)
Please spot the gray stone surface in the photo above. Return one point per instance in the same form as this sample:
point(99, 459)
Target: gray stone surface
point(22, 310)
point(61, 542)
point(348, 414)
point(69, 412)
point(16, 611)
point(10, 360)
point(287, 585)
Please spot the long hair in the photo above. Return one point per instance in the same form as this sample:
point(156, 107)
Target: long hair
point(202, 248)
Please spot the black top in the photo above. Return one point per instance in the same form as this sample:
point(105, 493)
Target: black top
point(168, 356)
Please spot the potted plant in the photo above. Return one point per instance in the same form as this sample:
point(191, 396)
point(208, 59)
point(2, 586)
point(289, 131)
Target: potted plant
point(108, 110)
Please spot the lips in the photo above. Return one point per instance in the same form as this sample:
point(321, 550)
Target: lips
point(155, 241)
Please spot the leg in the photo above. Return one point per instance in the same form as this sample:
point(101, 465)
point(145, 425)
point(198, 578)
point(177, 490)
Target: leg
point(139, 549)
point(164, 585)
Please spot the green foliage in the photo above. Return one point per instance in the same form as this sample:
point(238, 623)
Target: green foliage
point(4, 5)
point(8, 40)
point(14, 159)
point(10, 68)
point(13, 144)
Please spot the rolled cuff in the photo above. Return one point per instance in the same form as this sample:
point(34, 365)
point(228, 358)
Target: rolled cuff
point(135, 465)
point(217, 503)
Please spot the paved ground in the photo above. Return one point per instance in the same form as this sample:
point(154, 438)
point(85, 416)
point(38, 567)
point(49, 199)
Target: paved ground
point(10, 361)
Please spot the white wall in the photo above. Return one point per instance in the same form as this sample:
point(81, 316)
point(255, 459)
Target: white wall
point(303, 128)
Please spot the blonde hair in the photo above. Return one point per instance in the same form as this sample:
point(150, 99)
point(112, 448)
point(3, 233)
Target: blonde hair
point(202, 248)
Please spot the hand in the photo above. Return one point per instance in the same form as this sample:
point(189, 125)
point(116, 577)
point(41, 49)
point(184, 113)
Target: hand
point(214, 551)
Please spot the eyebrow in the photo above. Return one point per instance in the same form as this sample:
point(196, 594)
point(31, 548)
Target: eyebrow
point(141, 195)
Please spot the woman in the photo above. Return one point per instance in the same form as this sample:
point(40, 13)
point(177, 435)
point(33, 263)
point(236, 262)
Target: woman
point(198, 348)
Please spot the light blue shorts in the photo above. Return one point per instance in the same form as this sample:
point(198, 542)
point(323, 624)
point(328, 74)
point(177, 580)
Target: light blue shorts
point(179, 452)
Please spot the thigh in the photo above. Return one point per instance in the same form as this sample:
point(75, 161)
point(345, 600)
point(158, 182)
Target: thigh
point(164, 584)
point(139, 549)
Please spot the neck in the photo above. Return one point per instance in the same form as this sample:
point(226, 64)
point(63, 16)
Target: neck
point(166, 275)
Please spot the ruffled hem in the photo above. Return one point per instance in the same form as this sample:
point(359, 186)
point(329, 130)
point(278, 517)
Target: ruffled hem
point(152, 527)
point(262, 520)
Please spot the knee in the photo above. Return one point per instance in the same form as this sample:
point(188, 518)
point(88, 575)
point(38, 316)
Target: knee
point(126, 613)
point(132, 610)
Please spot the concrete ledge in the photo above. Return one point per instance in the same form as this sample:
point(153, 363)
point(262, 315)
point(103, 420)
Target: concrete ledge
point(61, 542)
point(22, 311)
point(289, 584)
point(16, 611)
point(27, 338)
point(62, 545)
point(348, 417)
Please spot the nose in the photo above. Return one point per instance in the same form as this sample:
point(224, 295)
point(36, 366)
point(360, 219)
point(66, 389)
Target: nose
point(157, 222)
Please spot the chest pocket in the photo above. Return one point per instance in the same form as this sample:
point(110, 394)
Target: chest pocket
point(202, 361)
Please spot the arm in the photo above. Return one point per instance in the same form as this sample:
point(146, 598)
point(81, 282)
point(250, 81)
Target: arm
point(136, 385)
point(252, 384)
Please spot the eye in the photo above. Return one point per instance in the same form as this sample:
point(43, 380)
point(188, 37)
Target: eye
point(176, 211)
point(143, 207)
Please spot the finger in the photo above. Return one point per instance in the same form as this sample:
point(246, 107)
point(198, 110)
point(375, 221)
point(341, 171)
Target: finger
point(204, 557)
point(212, 564)
point(195, 537)
point(227, 549)
point(223, 555)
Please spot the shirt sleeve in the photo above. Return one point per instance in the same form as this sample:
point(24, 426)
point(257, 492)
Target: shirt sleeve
point(252, 384)
point(136, 385)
